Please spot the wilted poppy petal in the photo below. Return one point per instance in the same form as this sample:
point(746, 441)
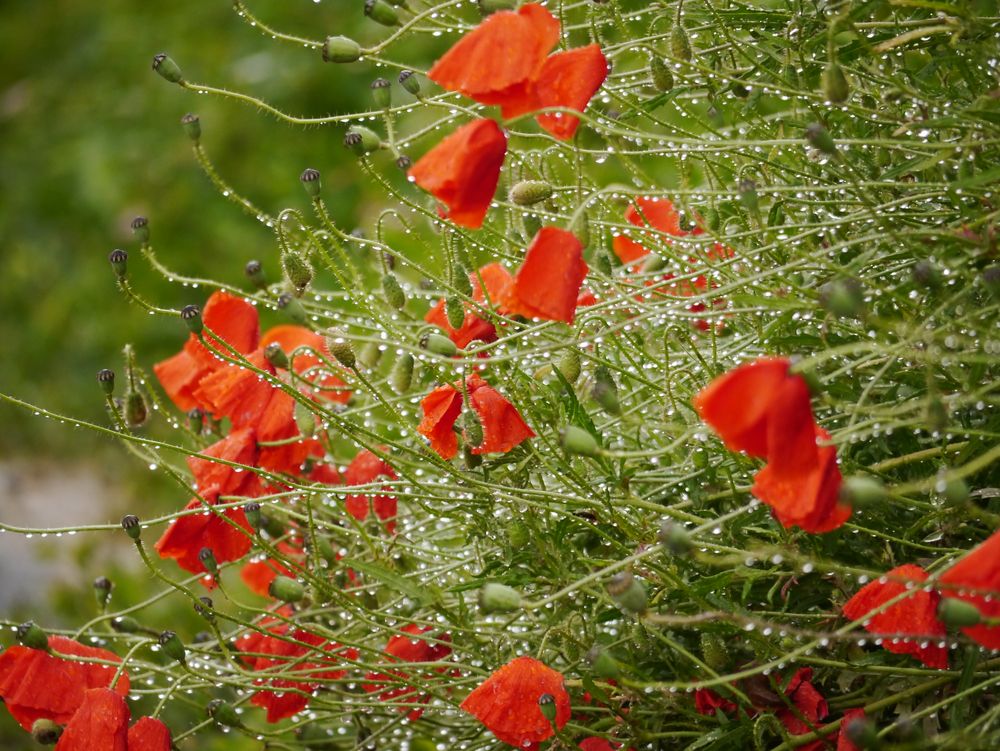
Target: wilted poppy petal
point(548, 283)
point(187, 535)
point(462, 171)
point(149, 734)
point(441, 409)
point(569, 79)
point(976, 579)
point(503, 426)
point(99, 724)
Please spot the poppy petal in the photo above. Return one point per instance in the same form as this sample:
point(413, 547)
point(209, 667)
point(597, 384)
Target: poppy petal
point(503, 426)
point(230, 318)
point(569, 79)
point(975, 578)
point(187, 535)
point(548, 283)
point(149, 734)
point(101, 722)
point(239, 447)
point(441, 409)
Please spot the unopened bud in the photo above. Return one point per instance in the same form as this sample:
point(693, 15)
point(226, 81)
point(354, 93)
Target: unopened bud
point(628, 592)
point(298, 271)
point(393, 291)
point(820, 137)
point(207, 558)
point(305, 420)
point(125, 624)
point(311, 182)
point(956, 491)
point(252, 511)
point(45, 732)
point(275, 355)
point(381, 12)
point(455, 311)
point(547, 706)
point(118, 259)
point(439, 345)
point(579, 442)
point(106, 378)
point(167, 68)
point(362, 140)
point(862, 490)
point(602, 663)
point(569, 364)
point(102, 591)
point(462, 279)
point(580, 227)
point(171, 646)
point(926, 274)
point(135, 411)
point(674, 538)
point(748, 195)
point(409, 81)
point(255, 272)
point(340, 347)
point(381, 93)
point(341, 50)
point(528, 192)
point(205, 608)
point(191, 315)
point(32, 636)
point(956, 613)
point(370, 354)
point(518, 534)
point(192, 126)
point(140, 229)
point(605, 390)
point(603, 263)
point(286, 589)
point(714, 650)
point(130, 523)
point(402, 373)
point(292, 307)
point(663, 77)
point(223, 713)
point(680, 45)
point(498, 598)
point(836, 89)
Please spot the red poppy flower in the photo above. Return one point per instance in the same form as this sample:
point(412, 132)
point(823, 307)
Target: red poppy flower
point(366, 468)
point(507, 702)
point(37, 685)
point(569, 79)
point(230, 318)
point(915, 615)
point(706, 701)
point(184, 539)
point(497, 281)
point(284, 651)
point(101, 722)
point(503, 426)
point(407, 649)
point(657, 213)
point(548, 283)
point(302, 346)
point(239, 447)
point(975, 578)
point(463, 170)
point(810, 708)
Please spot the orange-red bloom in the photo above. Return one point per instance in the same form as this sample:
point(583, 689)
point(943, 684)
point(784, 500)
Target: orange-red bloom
point(976, 579)
point(410, 648)
point(916, 615)
point(503, 426)
point(365, 468)
point(507, 702)
point(497, 281)
point(36, 685)
point(569, 79)
point(239, 447)
point(707, 701)
point(548, 283)
point(462, 171)
point(810, 705)
point(230, 318)
point(101, 724)
point(657, 213)
point(303, 347)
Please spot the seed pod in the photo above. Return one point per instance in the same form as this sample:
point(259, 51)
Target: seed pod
point(529, 192)
point(403, 162)
point(45, 732)
point(569, 364)
point(131, 525)
point(605, 391)
point(393, 291)
point(659, 71)
point(578, 442)
point(362, 140)
point(167, 68)
point(254, 518)
point(409, 81)
point(862, 490)
point(455, 311)
point(311, 182)
point(255, 272)
point(498, 598)
point(340, 347)
point(381, 12)
point(836, 89)
point(472, 428)
point(102, 591)
point(286, 589)
point(125, 624)
point(547, 706)
point(172, 647)
point(602, 663)
point(628, 592)
point(674, 538)
point(192, 126)
point(135, 411)
point(956, 613)
point(402, 373)
point(106, 378)
point(140, 229)
point(820, 138)
point(381, 93)
point(118, 259)
point(370, 354)
point(32, 636)
point(276, 355)
point(680, 45)
point(713, 649)
point(223, 713)
point(191, 315)
point(341, 49)
point(439, 345)
point(207, 558)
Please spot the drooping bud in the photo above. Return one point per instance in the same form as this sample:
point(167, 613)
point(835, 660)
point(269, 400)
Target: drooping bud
point(205, 608)
point(393, 291)
point(135, 411)
point(381, 12)
point(172, 647)
point(102, 591)
point(439, 345)
point(569, 364)
point(680, 45)
point(409, 81)
point(843, 297)
point(192, 126)
point(32, 636)
point(579, 442)
point(403, 162)
point(298, 271)
point(255, 272)
point(836, 89)
point(340, 347)
point(286, 589)
point(862, 490)
point(580, 226)
point(362, 140)
point(518, 534)
point(956, 613)
point(603, 263)
point(167, 68)
point(528, 192)
point(131, 525)
point(125, 624)
point(140, 229)
point(628, 592)
point(311, 182)
point(254, 518)
point(276, 355)
point(106, 378)
point(381, 93)
point(674, 538)
point(370, 354)
point(341, 49)
point(224, 713)
point(292, 307)
point(472, 428)
point(45, 732)
point(118, 259)
point(401, 374)
point(498, 598)
point(460, 279)
point(820, 138)
point(602, 663)
point(659, 71)
point(547, 706)
point(652, 263)
point(713, 649)
point(455, 311)
point(605, 390)
point(191, 315)
point(486, 7)
point(207, 558)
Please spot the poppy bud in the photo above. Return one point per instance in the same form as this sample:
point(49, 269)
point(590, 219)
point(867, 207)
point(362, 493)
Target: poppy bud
point(207, 558)
point(167, 68)
point(255, 272)
point(340, 347)
point(305, 420)
point(224, 713)
point(403, 162)
point(409, 81)
point(569, 364)
point(341, 50)
point(381, 93)
point(663, 77)
point(602, 663)
point(712, 219)
point(836, 89)
point(192, 126)
point(455, 311)
point(776, 216)
point(603, 263)
point(860, 732)
point(204, 607)
point(748, 195)
point(370, 354)
point(298, 271)
point(518, 535)
point(862, 490)
point(680, 45)
point(653, 262)
point(325, 550)
point(286, 589)
point(362, 140)
point(956, 491)
point(292, 307)
point(393, 291)
point(498, 598)
point(106, 378)
point(119, 262)
point(130, 523)
point(628, 592)
point(843, 297)
point(45, 732)
point(528, 192)
point(547, 706)
point(472, 428)
point(402, 373)
point(171, 645)
point(486, 7)
point(276, 355)
point(311, 182)
point(32, 636)
point(926, 274)
point(140, 229)
point(252, 511)
point(439, 345)
point(674, 538)
point(820, 138)
point(605, 390)
point(956, 613)
point(135, 409)
point(191, 315)
point(102, 591)
point(381, 12)
point(578, 442)
point(713, 649)
point(125, 624)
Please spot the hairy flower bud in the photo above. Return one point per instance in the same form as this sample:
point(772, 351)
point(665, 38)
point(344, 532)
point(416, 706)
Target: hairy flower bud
point(843, 297)
point(498, 598)
point(224, 713)
point(370, 354)
point(393, 291)
point(171, 646)
point(569, 364)
point(956, 613)
point(439, 345)
point(680, 45)
point(192, 126)
point(131, 525)
point(713, 649)
point(106, 377)
point(118, 259)
point(674, 538)
point(167, 68)
point(311, 182)
point(135, 411)
point(454, 310)
point(472, 428)
point(409, 81)
point(340, 347)
point(298, 271)
point(528, 192)
point(628, 592)
point(602, 663)
point(660, 73)
point(605, 390)
point(862, 490)
point(836, 89)
point(286, 589)
point(339, 49)
point(401, 374)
